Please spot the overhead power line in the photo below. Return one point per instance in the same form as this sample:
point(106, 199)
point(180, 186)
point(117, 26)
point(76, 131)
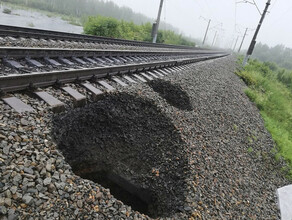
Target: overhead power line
point(252, 3)
point(273, 5)
point(256, 6)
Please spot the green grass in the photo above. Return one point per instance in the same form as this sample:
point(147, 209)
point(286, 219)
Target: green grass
point(274, 100)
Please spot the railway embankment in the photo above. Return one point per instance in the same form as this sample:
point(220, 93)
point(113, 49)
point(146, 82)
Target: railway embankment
point(177, 147)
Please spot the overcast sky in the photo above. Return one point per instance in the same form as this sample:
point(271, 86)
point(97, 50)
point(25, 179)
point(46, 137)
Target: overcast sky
point(191, 17)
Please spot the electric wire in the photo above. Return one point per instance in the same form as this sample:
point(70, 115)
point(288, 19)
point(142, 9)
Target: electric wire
point(197, 1)
point(273, 5)
point(252, 3)
point(207, 4)
point(235, 17)
point(276, 20)
point(257, 7)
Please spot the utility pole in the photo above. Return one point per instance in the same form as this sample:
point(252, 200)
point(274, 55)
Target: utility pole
point(214, 39)
point(206, 32)
point(235, 43)
point(242, 40)
point(156, 24)
point(253, 42)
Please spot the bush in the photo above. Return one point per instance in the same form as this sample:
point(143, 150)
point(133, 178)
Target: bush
point(285, 77)
point(255, 65)
point(248, 78)
point(102, 26)
point(7, 11)
point(272, 66)
point(111, 27)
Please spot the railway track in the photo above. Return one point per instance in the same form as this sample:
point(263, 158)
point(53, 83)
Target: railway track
point(93, 71)
point(24, 60)
point(46, 35)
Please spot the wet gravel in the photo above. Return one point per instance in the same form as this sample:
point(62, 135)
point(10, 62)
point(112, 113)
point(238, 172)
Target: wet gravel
point(207, 157)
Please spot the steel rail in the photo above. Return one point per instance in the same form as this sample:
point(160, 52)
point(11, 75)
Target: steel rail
point(22, 52)
point(23, 81)
point(15, 31)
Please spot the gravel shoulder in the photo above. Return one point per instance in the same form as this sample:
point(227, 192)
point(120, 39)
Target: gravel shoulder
point(202, 152)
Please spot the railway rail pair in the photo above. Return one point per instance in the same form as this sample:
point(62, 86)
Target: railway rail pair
point(26, 67)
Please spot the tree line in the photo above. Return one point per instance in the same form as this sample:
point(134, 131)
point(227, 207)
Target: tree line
point(278, 54)
point(278, 59)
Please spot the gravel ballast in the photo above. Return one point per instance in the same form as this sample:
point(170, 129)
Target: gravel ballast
point(42, 43)
point(188, 146)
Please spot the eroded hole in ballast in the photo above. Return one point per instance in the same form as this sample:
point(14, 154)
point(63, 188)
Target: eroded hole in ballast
point(172, 93)
point(126, 144)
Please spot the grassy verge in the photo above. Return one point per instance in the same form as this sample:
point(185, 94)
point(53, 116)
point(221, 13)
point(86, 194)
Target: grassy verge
point(70, 19)
point(274, 100)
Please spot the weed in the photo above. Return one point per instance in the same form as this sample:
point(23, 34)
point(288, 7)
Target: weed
point(30, 24)
point(7, 11)
point(274, 151)
point(251, 94)
point(259, 154)
point(250, 149)
point(75, 22)
point(248, 78)
point(72, 20)
point(255, 138)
